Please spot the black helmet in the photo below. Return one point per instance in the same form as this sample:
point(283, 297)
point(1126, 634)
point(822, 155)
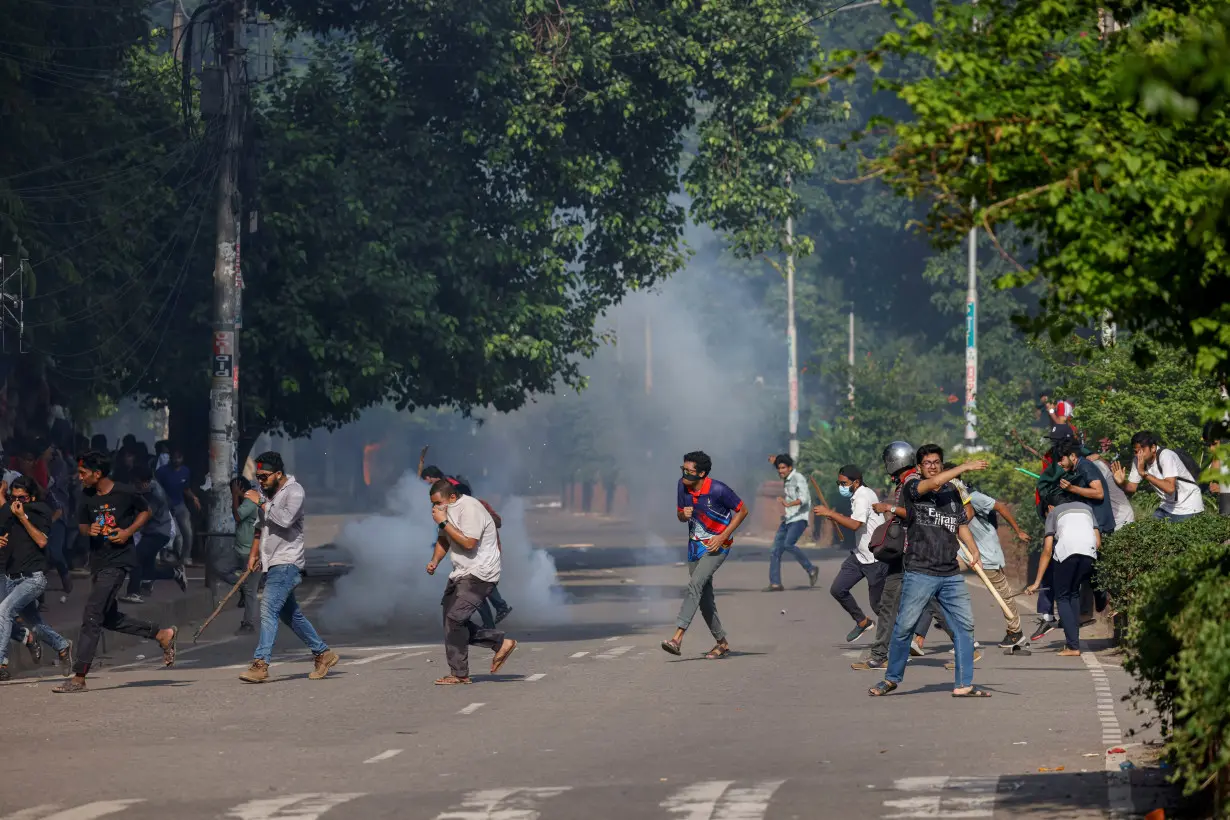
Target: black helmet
point(898, 456)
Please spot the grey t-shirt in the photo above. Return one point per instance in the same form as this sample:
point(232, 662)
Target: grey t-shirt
point(1120, 505)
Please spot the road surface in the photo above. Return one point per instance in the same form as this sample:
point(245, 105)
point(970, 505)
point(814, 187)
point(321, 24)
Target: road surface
point(590, 718)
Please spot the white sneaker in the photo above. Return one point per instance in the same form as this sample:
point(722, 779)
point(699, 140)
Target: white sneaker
point(132, 599)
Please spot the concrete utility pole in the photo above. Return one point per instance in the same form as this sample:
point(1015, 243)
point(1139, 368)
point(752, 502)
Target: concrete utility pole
point(850, 354)
point(792, 367)
point(971, 342)
point(223, 393)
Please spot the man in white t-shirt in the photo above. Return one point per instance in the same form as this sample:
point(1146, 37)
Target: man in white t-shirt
point(467, 534)
point(1164, 470)
point(860, 563)
point(1073, 537)
point(1120, 504)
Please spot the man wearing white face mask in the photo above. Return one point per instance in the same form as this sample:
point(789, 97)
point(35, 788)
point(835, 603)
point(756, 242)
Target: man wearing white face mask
point(860, 563)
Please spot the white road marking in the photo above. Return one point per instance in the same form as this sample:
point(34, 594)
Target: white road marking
point(471, 709)
point(383, 648)
point(612, 640)
point(578, 654)
point(373, 658)
point(291, 807)
point(747, 803)
point(89, 811)
point(502, 804)
point(536, 676)
point(945, 797)
point(615, 652)
point(179, 652)
point(32, 813)
point(1118, 782)
point(696, 802)
point(383, 756)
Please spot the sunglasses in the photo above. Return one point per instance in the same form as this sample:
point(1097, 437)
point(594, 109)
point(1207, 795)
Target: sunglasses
point(21, 498)
point(688, 473)
point(263, 476)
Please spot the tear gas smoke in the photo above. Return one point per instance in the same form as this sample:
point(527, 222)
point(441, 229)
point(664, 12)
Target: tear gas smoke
point(389, 585)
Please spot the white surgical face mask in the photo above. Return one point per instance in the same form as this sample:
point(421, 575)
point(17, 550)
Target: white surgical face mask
point(846, 490)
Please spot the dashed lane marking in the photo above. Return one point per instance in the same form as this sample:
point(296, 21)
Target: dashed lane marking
point(578, 654)
point(944, 797)
point(1118, 782)
point(384, 656)
point(502, 804)
point(383, 756)
point(615, 652)
point(536, 676)
point(471, 709)
point(291, 807)
point(89, 811)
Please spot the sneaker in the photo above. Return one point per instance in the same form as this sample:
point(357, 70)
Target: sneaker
point(245, 629)
point(65, 658)
point(4, 674)
point(813, 575)
point(132, 599)
point(1045, 627)
point(869, 664)
point(502, 614)
point(181, 580)
point(774, 588)
point(324, 662)
point(1011, 639)
point(857, 631)
point(916, 647)
point(258, 672)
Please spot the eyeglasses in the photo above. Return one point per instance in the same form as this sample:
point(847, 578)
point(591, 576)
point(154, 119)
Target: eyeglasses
point(21, 498)
point(263, 476)
point(932, 463)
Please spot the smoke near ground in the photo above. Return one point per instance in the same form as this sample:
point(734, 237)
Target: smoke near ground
point(389, 585)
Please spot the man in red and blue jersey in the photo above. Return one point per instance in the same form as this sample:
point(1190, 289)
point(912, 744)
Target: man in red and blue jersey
point(712, 512)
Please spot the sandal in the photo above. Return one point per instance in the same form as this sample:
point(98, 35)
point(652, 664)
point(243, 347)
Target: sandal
point(498, 661)
point(451, 680)
point(168, 651)
point(974, 692)
point(672, 647)
point(719, 651)
point(882, 688)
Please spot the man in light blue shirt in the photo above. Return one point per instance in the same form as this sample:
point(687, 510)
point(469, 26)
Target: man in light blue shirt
point(984, 526)
point(796, 503)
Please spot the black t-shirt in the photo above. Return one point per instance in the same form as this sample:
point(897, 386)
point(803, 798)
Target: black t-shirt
point(931, 534)
point(22, 554)
point(115, 510)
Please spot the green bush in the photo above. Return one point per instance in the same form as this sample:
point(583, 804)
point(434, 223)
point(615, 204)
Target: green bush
point(1178, 647)
point(1128, 555)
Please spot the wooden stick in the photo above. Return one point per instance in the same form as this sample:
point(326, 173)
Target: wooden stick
point(422, 458)
point(1008, 613)
point(840, 535)
point(234, 589)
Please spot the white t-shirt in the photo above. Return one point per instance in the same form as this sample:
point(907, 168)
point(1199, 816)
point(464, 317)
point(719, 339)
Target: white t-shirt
point(483, 562)
point(860, 510)
point(1074, 530)
point(1120, 506)
point(1186, 497)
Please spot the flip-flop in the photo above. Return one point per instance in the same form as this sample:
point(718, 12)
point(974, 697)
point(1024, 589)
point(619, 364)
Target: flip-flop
point(974, 692)
point(168, 651)
point(451, 680)
point(672, 647)
point(501, 657)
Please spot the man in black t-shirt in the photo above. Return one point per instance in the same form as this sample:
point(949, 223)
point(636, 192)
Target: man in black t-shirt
point(935, 530)
point(109, 517)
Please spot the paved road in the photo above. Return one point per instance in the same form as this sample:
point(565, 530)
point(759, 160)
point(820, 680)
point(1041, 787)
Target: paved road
point(588, 719)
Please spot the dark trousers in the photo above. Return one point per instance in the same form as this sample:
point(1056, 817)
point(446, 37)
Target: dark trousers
point(462, 598)
point(495, 599)
point(1070, 573)
point(932, 612)
point(886, 615)
point(102, 612)
point(229, 564)
point(57, 546)
point(1046, 592)
point(851, 572)
point(147, 566)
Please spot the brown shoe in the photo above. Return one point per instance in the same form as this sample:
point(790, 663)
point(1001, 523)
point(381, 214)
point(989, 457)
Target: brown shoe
point(71, 686)
point(258, 672)
point(324, 662)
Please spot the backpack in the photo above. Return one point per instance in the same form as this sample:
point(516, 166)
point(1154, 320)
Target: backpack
point(888, 541)
point(1190, 465)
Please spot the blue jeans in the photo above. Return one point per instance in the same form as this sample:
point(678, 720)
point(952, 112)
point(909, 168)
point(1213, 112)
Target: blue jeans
point(484, 610)
point(1162, 515)
point(787, 537)
point(20, 598)
point(952, 596)
point(279, 602)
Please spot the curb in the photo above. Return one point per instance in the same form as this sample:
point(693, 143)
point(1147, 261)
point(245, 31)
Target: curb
point(194, 605)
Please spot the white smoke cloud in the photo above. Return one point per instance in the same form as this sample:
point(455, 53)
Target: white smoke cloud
point(389, 585)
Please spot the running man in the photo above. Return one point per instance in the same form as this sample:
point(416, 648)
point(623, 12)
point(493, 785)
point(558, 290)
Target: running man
point(712, 512)
point(280, 551)
point(467, 536)
point(110, 517)
point(860, 563)
point(795, 500)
